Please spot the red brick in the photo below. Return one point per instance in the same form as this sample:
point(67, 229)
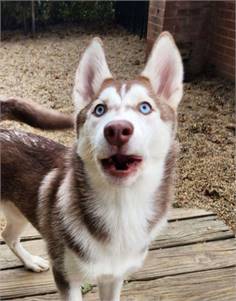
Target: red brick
point(161, 4)
point(225, 31)
point(171, 6)
point(184, 12)
point(227, 23)
point(183, 4)
point(154, 19)
point(226, 13)
point(223, 58)
point(182, 22)
point(197, 11)
point(229, 75)
point(152, 11)
point(160, 12)
point(223, 51)
point(157, 4)
point(198, 26)
point(152, 3)
point(225, 42)
point(226, 67)
point(154, 26)
point(229, 4)
point(182, 37)
point(229, 51)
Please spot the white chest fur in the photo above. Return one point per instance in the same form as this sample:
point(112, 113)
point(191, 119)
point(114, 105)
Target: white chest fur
point(126, 214)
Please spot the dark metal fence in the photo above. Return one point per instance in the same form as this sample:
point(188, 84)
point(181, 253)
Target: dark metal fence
point(36, 15)
point(133, 15)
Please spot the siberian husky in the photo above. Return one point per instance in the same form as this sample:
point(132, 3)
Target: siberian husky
point(100, 203)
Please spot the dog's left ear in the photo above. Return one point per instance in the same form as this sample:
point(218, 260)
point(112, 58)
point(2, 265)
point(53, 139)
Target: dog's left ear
point(164, 69)
point(91, 73)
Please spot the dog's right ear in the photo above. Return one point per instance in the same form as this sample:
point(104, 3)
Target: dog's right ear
point(164, 69)
point(91, 73)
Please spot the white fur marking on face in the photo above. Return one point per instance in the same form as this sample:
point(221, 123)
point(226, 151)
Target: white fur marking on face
point(111, 97)
point(123, 91)
point(136, 94)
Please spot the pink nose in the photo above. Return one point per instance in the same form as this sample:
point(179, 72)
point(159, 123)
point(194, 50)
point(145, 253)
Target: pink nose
point(118, 132)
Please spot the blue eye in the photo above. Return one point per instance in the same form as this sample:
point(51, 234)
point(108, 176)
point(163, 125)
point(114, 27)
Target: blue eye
point(145, 108)
point(99, 110)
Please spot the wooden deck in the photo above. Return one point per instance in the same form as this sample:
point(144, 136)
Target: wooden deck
point(193, 260)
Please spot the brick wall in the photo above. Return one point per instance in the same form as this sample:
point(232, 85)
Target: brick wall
point(198, 27)
point(222, 39)
point(155, 21)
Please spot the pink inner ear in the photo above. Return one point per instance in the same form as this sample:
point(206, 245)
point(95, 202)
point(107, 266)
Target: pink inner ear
point(89, 77)
point(165, 70)
point(165, 85)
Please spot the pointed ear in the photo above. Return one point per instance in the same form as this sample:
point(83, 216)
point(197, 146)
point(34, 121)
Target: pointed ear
point(91, 73)
point(164, 69)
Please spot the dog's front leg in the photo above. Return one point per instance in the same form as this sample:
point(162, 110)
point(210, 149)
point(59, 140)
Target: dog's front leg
point(74, 293)
point(109, 289)
point(69, 290)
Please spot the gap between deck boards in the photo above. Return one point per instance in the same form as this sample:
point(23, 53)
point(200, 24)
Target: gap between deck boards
point(180, 233)
point(194, 242)
point(175, 288)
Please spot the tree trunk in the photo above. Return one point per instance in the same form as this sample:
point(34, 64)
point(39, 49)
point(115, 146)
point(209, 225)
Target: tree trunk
point(33, 17)
point(24, 17)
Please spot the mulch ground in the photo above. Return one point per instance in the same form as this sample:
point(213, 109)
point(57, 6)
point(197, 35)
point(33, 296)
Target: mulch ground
point(43, 70)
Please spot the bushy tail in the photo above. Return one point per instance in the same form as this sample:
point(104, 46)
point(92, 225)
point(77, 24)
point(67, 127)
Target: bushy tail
point(34, 115)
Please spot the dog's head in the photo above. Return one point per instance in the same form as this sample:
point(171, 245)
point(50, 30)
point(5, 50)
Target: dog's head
point(125, 128)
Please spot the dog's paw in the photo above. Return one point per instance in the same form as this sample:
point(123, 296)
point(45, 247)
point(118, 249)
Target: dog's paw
point(37, 264)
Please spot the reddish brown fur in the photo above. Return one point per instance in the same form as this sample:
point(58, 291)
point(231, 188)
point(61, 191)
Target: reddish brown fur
point(110, 82)
point(34, 115)
point(165, 193)
point(95, 227)
point(25, 160)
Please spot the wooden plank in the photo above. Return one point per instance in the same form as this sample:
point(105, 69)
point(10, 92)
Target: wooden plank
point(175, 214)
point(183, 213)
point(206, 286)
point(201, 229)
point(160, 263)
point(214, 285)
point(9, 260)
point(19, 282)
point(177, 233)
point(186, 259)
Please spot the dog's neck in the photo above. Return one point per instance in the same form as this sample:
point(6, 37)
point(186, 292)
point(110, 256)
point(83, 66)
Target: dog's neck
point(85, 199)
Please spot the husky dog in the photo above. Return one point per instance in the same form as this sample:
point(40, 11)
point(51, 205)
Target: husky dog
point(100, 203)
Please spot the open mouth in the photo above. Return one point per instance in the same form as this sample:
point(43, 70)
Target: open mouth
point(121, 165)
